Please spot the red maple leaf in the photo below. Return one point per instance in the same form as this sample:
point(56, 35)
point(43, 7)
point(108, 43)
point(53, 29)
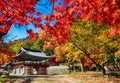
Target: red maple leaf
point(31, 33)
point(53, 1)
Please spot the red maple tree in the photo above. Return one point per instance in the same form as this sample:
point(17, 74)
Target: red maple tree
point(105, 11)
point(17, 11)
point(63, 14)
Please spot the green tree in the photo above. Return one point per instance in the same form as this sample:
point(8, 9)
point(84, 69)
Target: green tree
point(17, 44)
point(38, 45)
point(69, 54)
point(93, 40)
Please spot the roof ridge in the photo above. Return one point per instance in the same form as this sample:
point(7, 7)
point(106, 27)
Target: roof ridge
point(27, 49)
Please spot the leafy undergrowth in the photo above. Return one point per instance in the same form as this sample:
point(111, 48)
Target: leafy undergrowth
point(97, 77)
point(3, 80)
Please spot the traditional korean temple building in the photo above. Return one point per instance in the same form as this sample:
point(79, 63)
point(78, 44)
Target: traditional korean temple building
point(30, 62)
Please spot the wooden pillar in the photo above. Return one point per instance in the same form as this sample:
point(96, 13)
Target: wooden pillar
point(32, 66)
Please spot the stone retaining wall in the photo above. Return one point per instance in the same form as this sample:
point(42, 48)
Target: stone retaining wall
point(57, 70)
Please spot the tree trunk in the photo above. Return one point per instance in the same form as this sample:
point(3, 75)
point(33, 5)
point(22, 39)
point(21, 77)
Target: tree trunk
point(70, 70)
point(82, 65)
point(70, 67)
point(102, 68)
point(117, 67)
point(82, 68)
point(97, 65)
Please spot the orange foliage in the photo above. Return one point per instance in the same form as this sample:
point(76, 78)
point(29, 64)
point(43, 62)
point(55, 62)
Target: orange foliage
point(118, 53)
point(88, 62)
point(5, 55)
point(50, 40)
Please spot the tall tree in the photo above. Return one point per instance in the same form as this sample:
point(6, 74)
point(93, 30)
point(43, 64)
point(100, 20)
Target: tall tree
point(94, 41)
point(62, 16)
point(69, 54)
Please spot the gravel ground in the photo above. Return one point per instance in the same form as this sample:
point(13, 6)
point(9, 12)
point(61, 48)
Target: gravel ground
point(41, 79)
point(60, 79)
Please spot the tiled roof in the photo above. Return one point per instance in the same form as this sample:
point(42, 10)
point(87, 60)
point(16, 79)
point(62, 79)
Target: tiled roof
point(28, 54)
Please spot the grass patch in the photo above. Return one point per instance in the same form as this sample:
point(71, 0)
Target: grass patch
point(75, 72)
point(2, 80)
point(87, 73)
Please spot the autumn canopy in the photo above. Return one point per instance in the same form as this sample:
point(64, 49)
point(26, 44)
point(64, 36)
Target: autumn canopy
point(63, 15)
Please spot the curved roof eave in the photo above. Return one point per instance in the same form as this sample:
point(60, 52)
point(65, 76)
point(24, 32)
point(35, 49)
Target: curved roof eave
point(33, 53)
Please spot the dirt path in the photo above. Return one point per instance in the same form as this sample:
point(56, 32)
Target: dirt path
point(51, 80)
point(42, 79)
point(61, 79)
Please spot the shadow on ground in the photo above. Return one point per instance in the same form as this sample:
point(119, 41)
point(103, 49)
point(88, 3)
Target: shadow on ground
point(30, 78)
